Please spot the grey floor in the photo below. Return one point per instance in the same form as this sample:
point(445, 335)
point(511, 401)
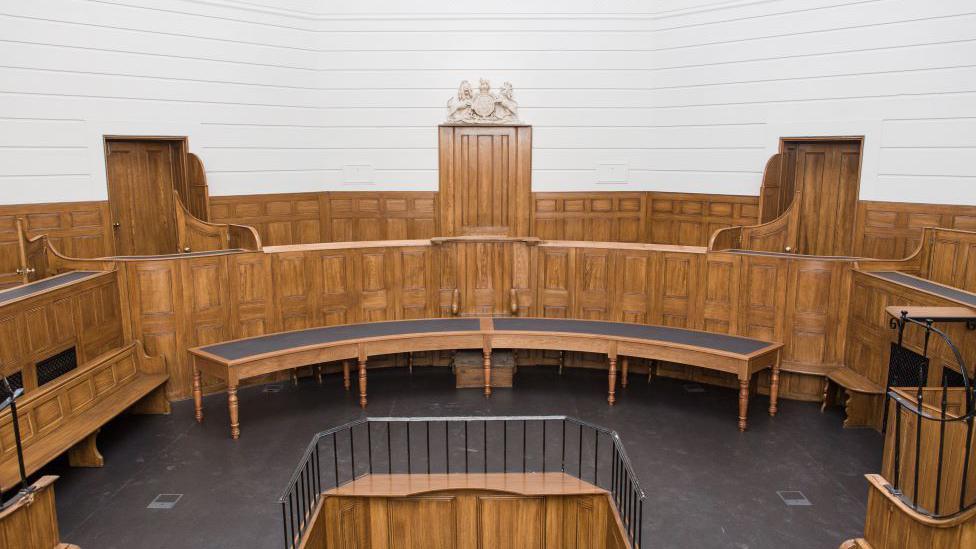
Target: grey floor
point(708, 485)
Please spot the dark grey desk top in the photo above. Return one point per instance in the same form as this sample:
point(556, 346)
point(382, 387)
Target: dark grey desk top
point(928, 286)
point(236, 350)
point(32, 288)
point(718, 342)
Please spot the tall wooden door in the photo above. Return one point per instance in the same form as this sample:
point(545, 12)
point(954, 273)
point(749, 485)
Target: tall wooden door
point(142, 175)
point(827, 174)
point(485, 180)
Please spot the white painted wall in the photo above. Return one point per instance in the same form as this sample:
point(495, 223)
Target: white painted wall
point(278, 96)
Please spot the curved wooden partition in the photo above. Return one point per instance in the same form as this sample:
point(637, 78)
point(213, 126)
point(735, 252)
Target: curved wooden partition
point(891, 524)
point(778, 235)
point(195, 235)
point(187, 300)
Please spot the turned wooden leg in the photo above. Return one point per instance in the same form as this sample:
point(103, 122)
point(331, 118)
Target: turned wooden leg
point(410, 362)
point(743, 403)
point(611, 398)
point(318, 373)
point(235, 426)
point(514, 361)
point(826, 394)
point(85, 453)
point(774, 388)
point(362, 382)
point(197, 397)
point(453, 357)
point(487, 367)
point(562, 359)
point(294, 376)
point(345, 375)
point(624, 370)
point(651, 371)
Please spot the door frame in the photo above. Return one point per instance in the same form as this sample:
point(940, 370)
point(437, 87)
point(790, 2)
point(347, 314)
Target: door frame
point(180, 175)
point(859, 139)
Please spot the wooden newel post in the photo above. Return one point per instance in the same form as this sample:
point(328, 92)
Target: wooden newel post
point(487, 366)
point(362, 382)
point(611, 398)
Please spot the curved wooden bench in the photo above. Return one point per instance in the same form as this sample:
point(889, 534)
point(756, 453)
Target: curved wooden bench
point(235, 360)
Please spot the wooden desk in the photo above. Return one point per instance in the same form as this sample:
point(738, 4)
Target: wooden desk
point(235, 360)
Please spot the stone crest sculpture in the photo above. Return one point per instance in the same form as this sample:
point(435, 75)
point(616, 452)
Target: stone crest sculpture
point(483, 107)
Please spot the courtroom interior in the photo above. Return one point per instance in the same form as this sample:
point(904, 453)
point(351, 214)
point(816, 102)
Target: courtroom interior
point(616, 274)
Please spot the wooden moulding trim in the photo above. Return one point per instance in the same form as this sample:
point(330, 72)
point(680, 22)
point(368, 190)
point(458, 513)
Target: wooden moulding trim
point(352, 244)
point(410, 485)
point(488, 332)
point(70, 286)
point(623, 246)
point(874, 276)
point(878, 482)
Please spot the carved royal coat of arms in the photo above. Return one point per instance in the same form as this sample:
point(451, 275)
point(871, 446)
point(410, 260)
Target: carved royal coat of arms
point(483, 107)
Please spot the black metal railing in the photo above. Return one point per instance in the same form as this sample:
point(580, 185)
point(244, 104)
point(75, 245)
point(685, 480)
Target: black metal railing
point(932, 441)
point(425, 445)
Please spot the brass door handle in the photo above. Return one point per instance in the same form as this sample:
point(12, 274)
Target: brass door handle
point(28, 270)
point(116, 225)
point(456, 302)
point(789, 249)
point(513, 306)
point(186, 250)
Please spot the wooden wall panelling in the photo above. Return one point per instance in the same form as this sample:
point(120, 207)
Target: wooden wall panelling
point(892, 230)
point(594, 284)
point(334, 295)
point(690, 219)
point(77, 229)
point(556, 276)
point(677, 284)
point(602, 217)
point(279, 218)
point(251, 295)
point(632, 292)
point(447, 277)
point(85, 315)
point(384, 215)
point(159, 317)
point(293, 278)
point(951, 259)
point(486, 277)
point(415, 296)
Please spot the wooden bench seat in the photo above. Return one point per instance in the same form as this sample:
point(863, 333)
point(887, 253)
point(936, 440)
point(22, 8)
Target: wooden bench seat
point(235, 360)
point(864, 397)
point(66, 414)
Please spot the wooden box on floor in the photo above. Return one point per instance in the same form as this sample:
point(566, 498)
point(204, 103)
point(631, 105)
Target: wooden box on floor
point(469, 369)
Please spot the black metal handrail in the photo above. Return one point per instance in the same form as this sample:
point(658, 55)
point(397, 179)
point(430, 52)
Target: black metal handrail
point(937, 416)
point(490, 444)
